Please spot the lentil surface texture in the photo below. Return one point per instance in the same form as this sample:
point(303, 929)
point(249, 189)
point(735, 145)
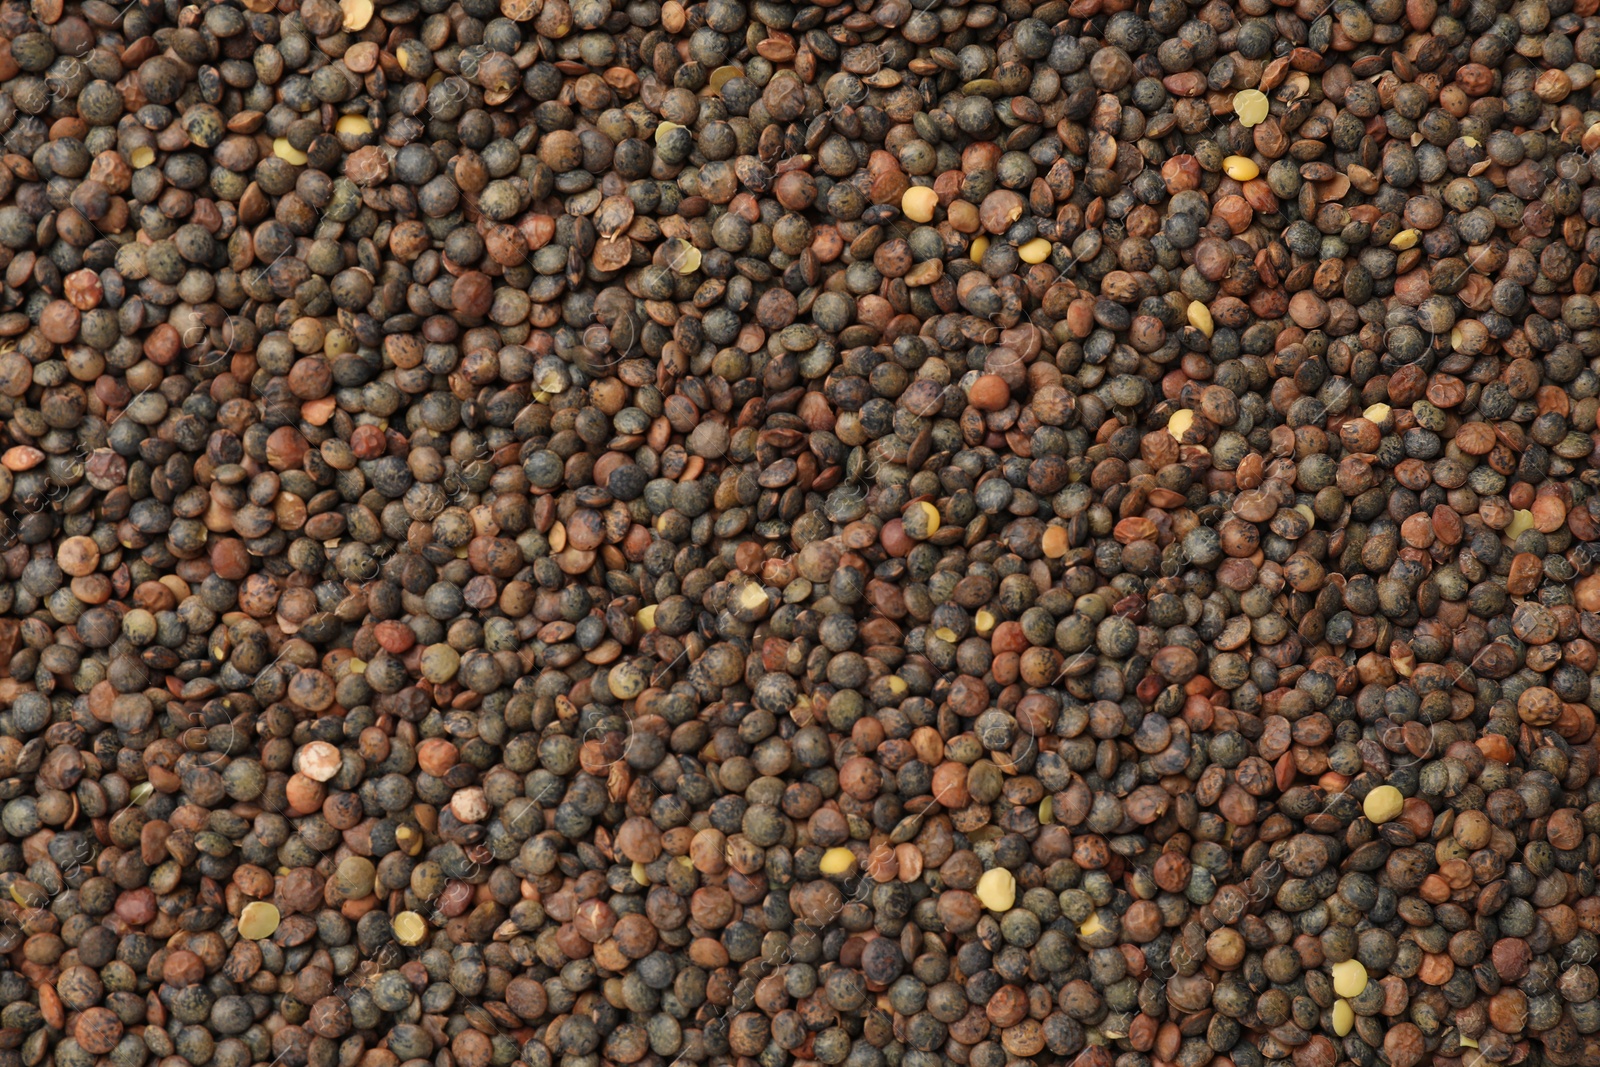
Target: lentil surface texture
point(874, 533)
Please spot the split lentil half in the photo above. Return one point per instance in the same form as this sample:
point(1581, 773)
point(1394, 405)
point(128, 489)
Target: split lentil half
point(868, 533)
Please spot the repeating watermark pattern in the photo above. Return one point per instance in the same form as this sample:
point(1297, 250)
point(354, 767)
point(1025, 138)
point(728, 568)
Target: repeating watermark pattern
point(613, 345)
point(211, 745)
point(857, 889)
point(436, 911)
point(56, 86)
point(19, 510)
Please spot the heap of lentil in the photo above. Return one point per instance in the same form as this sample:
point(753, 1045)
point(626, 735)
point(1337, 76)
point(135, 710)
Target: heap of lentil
point(875, 533)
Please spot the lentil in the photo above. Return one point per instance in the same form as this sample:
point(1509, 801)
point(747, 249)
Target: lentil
point(861, 534)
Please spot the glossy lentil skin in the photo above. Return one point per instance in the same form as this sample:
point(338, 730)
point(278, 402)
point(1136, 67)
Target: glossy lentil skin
point(883, 534)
